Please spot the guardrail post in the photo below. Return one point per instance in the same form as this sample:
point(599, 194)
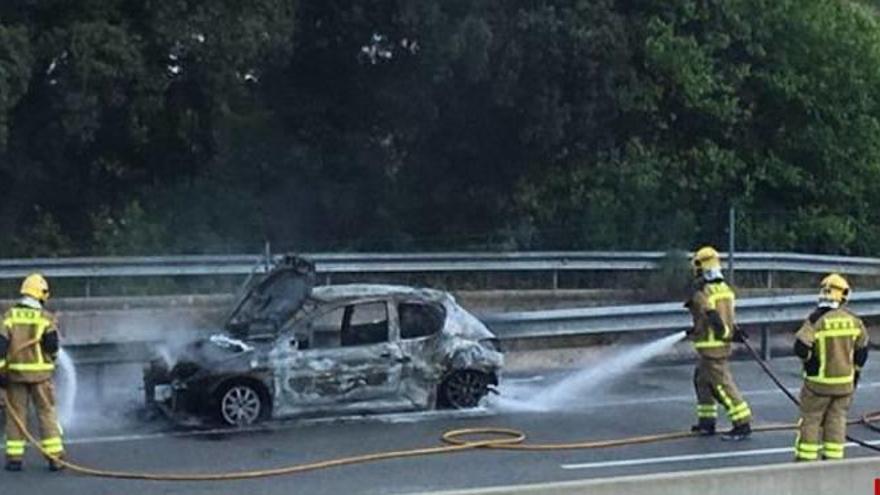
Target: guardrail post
point(88, 287)
point(731, 247)
point(267, 255)
point(769, 279)
point(99, 383)
point(555, 279)
point(765, 343)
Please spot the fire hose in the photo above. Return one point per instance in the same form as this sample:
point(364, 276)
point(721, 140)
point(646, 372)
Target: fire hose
point(457, 440)
point(866, 419)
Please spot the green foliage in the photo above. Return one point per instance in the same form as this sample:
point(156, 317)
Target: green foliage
point(15, 73)
point(767, 105)
point(672, 280)
point(129, 232)
point(43, 239)
point(195, 126)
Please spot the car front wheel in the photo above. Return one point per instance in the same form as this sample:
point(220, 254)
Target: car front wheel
point(463, 389)
point(241, 404)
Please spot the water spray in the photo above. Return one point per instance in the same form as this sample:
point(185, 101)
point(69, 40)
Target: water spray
point(534, 397)
point(67, 385)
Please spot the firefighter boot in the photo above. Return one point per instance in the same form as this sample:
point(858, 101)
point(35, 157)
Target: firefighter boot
point(54, 465)
point(704, 427)
point(738, 432)
point(13, 465)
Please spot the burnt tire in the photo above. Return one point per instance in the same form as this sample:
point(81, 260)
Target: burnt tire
point(463, 389)
point(241, 403)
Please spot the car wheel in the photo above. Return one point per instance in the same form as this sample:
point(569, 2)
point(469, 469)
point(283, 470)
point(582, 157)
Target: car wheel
point(241, 404)
point(463, 389)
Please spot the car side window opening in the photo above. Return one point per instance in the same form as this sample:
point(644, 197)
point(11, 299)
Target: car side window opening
point(325, 329)
point(419, 319)
point(365, 324)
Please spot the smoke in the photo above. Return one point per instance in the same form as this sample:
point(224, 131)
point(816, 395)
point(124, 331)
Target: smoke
point(109, 395)
point(538, 397)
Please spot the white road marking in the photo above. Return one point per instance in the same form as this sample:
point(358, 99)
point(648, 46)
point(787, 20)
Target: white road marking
point(692, 457)
point(690, 397)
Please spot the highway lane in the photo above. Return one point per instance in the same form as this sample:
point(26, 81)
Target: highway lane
point(649, 400)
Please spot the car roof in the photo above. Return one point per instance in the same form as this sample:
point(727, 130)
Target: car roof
point(335, 293)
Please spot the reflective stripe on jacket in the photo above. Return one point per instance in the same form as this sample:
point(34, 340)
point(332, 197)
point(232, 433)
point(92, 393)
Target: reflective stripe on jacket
point(25, 328)
point(712, 296)
point(833, 339)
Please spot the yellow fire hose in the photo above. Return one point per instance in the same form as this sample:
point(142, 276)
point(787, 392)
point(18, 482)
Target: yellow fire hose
point(454, 441)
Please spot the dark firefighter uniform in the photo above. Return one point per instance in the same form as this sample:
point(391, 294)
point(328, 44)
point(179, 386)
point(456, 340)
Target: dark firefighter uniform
point(712, 308)
point(833, 345)
point(29, 344)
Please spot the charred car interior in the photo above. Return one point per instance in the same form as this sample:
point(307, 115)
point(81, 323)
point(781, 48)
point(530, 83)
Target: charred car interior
point(290, 348)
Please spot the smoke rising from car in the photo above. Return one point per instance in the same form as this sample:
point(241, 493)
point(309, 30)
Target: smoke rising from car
point(539, 397)
point(94, 397)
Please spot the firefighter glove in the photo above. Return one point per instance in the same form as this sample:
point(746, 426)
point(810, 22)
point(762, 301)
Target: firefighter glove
point(856, 379)
point(811, 366)
point(739, 335)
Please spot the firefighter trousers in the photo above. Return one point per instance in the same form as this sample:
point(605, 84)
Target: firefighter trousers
point(713, 383)
point(822, 425)
point(42, 395)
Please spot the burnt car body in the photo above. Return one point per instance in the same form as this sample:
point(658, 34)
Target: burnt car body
point(294, 349)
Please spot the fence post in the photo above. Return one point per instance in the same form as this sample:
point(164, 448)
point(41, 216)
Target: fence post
point(765, 343)
point(267, 253)
point(731, 244)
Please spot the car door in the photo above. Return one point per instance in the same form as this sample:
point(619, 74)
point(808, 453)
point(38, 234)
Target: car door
point(369, 363)
point(349, 358)
point(420, 324)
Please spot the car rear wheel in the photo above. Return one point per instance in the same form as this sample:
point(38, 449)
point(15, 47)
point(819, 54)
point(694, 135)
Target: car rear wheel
point(241, 404)
point(464, 389)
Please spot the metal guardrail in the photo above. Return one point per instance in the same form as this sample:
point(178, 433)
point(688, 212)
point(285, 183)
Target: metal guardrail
point(760, 312)
point(751, 312)
point(336, 263)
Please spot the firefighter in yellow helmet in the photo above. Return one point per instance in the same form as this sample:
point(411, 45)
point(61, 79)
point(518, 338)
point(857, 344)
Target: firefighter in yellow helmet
point(833, 345)
point(712, 307)
point(29, 345)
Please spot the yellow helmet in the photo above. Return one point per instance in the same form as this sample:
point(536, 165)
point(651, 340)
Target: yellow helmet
point(705, 258)
point(834, 288)
point(34, 285)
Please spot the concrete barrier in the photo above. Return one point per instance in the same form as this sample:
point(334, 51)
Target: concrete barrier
point(851, 477)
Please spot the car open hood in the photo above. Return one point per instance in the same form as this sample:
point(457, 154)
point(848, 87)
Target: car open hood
point(273, 300)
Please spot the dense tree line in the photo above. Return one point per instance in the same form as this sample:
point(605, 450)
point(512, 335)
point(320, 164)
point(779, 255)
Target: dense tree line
point(147, 126)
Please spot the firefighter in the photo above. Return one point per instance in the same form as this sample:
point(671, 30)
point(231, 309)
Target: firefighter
point(29, 345)
point(833, 345)
point(712, 308)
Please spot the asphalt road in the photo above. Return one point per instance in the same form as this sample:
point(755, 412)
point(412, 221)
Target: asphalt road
point(644, 401)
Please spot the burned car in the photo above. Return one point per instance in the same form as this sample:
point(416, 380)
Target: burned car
point(293, 349)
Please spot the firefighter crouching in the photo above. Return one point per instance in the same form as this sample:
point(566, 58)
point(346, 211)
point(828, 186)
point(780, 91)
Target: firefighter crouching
point(712, 308)
point(833, 345)
point(28, 347)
